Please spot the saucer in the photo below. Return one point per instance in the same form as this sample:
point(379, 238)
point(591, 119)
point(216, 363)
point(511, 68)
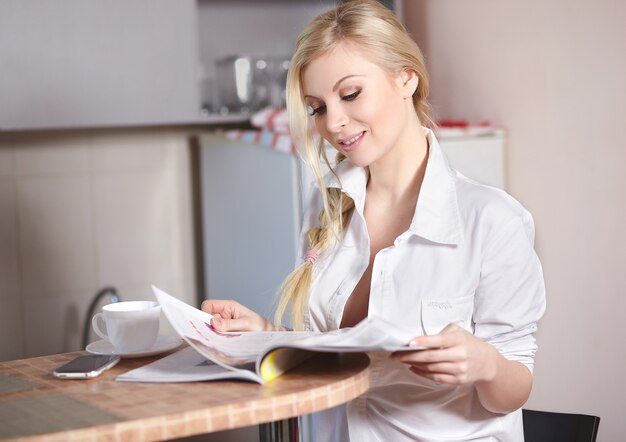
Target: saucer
point(162, 344)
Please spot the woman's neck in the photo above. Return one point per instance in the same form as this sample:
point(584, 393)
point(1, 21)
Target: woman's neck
point(399, 175)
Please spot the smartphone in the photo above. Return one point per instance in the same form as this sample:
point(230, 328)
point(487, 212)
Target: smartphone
point(86, 366)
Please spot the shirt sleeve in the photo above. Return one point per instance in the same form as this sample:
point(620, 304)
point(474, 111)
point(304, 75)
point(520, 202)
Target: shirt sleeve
point(510, 298)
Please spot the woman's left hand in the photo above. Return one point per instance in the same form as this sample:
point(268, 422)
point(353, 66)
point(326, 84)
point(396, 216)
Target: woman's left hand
point(453, 356)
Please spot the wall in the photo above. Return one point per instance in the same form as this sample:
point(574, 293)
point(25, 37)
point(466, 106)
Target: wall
point(83, 209)
point(553, 73)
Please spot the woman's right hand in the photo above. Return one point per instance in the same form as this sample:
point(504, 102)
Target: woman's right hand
point(231, 316)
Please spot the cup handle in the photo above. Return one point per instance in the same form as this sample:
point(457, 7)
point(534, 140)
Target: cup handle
point(96, 326)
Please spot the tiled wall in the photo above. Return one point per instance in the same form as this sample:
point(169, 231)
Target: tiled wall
point(85, 209)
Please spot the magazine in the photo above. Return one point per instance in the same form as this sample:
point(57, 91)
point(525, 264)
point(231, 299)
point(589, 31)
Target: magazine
point(255, 356)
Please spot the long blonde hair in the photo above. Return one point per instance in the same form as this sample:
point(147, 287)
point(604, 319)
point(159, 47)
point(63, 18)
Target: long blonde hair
point(376, 32)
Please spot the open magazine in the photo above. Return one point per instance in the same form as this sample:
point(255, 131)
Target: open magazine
point(255, 356)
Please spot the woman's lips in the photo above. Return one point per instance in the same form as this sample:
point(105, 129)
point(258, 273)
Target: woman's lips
point(349, 144)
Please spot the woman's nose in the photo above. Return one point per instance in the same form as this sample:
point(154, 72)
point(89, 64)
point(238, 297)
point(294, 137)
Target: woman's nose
point(336, 118)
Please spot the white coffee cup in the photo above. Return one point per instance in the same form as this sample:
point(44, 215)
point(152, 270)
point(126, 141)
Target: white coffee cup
point(131, 326)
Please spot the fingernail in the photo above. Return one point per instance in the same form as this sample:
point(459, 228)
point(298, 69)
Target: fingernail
point(217, 321)
point(414, 343)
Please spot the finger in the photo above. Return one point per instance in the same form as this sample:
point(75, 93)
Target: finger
point(447, 337)
point(227, 325)
point(435, 355)
point(216, 305)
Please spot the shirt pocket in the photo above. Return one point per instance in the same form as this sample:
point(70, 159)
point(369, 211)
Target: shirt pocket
point(439, 313)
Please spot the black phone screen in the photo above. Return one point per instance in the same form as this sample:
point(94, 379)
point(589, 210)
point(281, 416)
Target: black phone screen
point(85, 364)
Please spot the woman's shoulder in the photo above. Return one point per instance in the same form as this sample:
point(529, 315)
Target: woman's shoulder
point(490, 206)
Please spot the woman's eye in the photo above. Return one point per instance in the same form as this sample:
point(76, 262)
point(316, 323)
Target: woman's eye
point(319, 110)
point(351, 96)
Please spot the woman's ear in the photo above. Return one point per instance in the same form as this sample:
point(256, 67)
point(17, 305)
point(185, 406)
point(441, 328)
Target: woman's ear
point(408, 81)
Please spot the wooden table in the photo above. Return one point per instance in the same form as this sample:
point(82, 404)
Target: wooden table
point(35, 406)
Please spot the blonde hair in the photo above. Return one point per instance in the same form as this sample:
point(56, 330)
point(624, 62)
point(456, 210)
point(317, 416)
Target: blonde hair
point(376, 32)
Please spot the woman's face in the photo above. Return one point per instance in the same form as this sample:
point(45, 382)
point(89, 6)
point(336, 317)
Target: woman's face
point(359, 108)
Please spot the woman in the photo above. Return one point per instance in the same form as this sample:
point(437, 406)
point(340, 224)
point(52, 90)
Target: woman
point(394, 231)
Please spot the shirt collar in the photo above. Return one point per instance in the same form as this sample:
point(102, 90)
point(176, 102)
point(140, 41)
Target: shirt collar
point(437, 217)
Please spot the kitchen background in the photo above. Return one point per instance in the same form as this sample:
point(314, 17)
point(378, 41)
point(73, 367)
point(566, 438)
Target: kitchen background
point(99, 102)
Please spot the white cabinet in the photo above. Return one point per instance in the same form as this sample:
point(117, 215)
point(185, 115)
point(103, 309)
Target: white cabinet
point(92, 63)
point(85, 63)
point(480, 157)
point(82, 211)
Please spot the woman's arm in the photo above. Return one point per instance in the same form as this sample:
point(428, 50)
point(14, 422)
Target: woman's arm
point(456, 357)
point(497, 358)
point(508, 389)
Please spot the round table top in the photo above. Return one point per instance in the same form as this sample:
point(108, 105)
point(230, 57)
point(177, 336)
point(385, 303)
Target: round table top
point(105, 409)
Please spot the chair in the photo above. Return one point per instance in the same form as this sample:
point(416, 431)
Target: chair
point(546, 426)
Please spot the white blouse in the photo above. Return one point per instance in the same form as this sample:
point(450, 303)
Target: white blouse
point(467, 258)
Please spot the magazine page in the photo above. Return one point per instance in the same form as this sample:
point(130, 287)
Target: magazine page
point(230, 350)
point(263, 356)
point(186, 365)
point(371, 334)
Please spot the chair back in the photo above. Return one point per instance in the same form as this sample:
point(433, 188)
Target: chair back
point(547, 426)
